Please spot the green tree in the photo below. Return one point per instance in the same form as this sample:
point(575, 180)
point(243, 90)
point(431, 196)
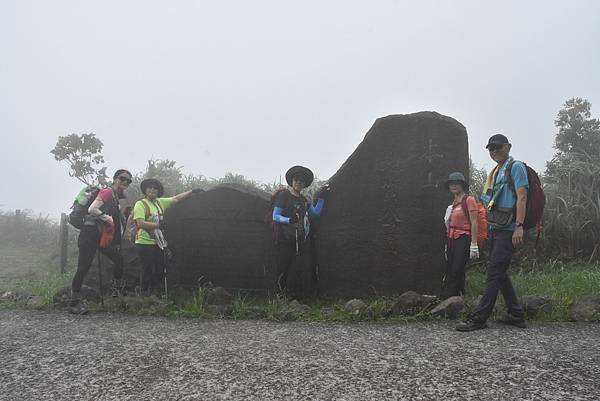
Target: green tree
point(477, 178)
point(83, 154)
point(572, 184)
point(577, 131)
point(170, 175)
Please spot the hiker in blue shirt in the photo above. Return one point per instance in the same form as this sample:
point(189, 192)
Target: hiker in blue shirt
point(506, 206)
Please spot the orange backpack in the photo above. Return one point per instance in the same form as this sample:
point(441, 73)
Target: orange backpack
point(482, 225)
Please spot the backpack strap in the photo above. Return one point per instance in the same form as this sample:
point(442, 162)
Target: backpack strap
point(147, 208)
point(465, 207)
point(508, 176)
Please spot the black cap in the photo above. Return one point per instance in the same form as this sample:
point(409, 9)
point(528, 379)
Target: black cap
point(497, 139)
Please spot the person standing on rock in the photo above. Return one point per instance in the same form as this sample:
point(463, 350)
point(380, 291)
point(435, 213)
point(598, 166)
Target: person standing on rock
point(292, 213)
point(150, 243)
point(461, 240)
point(104, 217)
point(506, 214)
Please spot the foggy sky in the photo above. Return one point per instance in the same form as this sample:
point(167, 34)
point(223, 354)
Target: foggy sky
point(255, 87)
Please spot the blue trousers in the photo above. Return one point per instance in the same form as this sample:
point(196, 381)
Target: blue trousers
point(497, 279)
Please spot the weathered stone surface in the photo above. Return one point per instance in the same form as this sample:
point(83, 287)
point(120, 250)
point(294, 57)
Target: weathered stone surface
point(534, 305)
point(382, 229)
point(356, 307)
point(62, 296)
point(412, 302)
point(219, 296)
point(220, 236)
point(297, 307)
point(450, 308)
point(585, 308)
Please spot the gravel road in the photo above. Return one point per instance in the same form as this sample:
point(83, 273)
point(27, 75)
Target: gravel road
point(56, 356)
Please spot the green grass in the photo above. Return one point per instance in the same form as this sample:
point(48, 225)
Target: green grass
point(561, 282)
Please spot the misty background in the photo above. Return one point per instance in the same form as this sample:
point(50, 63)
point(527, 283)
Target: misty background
point(255, 87)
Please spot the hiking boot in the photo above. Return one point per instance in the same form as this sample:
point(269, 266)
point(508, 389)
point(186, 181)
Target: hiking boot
point(77, 305)
point(511, 320)
point(470, 325)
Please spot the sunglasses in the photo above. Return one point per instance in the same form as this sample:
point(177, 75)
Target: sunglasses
point(124, 179)
point(494, 147)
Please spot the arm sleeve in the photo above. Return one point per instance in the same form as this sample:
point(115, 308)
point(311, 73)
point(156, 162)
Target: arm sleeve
point(278, 218)
point(519, 175)
point(315, 210)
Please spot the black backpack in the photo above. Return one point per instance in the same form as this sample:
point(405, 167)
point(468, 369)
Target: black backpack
point(81, 204)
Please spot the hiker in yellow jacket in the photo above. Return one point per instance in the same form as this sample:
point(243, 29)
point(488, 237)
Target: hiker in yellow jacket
point(149, 240)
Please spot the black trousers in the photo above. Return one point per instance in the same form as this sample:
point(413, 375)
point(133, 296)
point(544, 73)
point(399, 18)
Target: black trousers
point(497, 280)
point(296, 273)
point(153, 266)
point(457, 256)
point(87, 242)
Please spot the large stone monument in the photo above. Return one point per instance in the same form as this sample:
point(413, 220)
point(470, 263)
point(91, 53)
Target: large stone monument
point(382, 229)
point(220, 236)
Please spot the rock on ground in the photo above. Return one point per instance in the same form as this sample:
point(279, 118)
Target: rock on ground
point(585, 308)
point(450, 307)
point(412, 302)
point(534, 305)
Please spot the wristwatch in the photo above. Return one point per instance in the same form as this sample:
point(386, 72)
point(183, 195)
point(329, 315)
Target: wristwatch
point(519, 224)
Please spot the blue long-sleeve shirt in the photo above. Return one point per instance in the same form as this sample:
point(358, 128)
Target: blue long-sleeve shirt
point(313, 210)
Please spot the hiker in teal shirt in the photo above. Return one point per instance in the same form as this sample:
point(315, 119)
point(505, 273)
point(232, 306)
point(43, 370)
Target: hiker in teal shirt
point(506, 205)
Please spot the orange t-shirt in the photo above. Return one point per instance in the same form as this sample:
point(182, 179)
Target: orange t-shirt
point(459, 223)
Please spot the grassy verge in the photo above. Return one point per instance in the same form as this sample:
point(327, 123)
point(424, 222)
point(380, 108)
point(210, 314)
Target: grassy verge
point(562, 283)
point(40, 289)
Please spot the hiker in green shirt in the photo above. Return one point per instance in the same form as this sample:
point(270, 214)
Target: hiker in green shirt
point(149, 240)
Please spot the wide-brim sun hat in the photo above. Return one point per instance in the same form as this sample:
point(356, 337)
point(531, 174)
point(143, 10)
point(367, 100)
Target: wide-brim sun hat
point(299, 171)
point(457, 177)
point(152, 182)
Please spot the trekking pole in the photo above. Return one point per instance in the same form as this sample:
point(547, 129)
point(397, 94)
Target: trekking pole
point(165, 261)
point(100, 279)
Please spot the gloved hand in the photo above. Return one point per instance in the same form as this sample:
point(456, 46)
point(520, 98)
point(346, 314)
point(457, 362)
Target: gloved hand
point(294, 218)
point(474, 252)
point(197, 190)
point(323, 192)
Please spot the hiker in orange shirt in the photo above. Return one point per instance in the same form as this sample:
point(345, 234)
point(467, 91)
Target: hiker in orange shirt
point(461, 223)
